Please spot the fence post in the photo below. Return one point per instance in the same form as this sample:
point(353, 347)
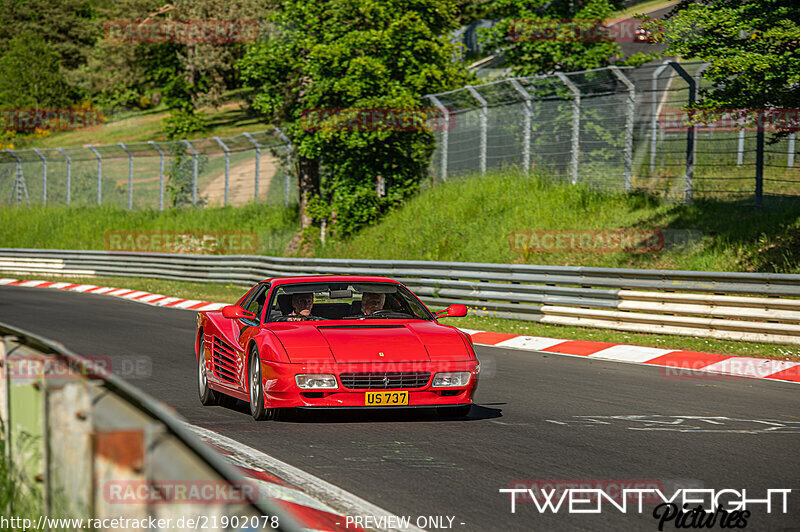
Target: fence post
point(69, 173)
point(227, 165)
point(740, 149)
point(160, 174)
point(629, 117)
point(194, 172)
point(790, 156)
point(288, 142)
point(445, 136)
point(249, 137)
point(44, 175)
point(99, 174)
point(654, 121)
point(526, 134)
point(690, 134)
point(130, 174)
point(759, 159)
point(484, 126)
point(576, 126)
point(19, 181)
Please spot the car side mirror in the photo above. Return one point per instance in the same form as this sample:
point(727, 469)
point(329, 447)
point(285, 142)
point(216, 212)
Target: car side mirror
point(453, 311)
point(233, 312)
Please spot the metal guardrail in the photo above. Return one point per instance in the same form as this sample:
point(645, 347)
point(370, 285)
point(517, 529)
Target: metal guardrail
point(96, 447)
point(762, 307)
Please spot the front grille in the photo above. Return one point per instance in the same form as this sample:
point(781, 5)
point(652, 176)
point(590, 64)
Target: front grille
point(225, 361)
point(384, 380)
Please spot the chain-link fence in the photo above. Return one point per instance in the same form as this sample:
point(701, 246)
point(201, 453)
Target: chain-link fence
point(213, 171)
point(615, 128)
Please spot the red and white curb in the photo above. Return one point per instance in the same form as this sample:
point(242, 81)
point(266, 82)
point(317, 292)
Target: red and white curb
point(279, 481)
point(674, 359)
point(156, 300)
point(678, 361)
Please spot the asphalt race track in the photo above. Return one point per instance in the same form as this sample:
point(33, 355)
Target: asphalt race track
point(540, 417)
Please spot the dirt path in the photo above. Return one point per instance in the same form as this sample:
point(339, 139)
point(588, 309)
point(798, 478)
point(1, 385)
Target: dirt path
point(241, 184)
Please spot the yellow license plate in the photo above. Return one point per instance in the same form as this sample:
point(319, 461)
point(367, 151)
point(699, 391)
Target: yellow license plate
point(386, 398)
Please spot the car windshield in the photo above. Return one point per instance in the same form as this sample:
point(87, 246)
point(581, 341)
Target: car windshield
point(344, 301)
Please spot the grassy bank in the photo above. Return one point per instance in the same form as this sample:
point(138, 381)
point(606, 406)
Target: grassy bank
point(143, 125)
point(471, 220)
point(92, 227)
point(230, 293)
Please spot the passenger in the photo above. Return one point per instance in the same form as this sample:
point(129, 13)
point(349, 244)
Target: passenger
point(302, 304)
point(372, 302)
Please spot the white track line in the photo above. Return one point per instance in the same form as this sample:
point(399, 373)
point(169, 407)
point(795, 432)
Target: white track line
point(334, 496)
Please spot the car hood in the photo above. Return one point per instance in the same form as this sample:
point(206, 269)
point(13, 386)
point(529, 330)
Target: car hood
point(387, 341)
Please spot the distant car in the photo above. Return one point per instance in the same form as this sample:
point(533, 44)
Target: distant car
point(328, 341)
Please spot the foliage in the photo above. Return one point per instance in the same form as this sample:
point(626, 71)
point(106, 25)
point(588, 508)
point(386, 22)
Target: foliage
point(349, 54)
point(30, 75)
point(541, 36)
point(68, 26)
point(180, 185)
point(753, 49)
point(182, 122)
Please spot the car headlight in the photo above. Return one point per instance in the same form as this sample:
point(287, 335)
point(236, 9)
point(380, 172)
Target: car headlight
point(451, 379)
point(316, 381)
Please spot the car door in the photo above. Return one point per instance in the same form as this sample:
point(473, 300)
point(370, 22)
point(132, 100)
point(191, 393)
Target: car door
point(249, 328)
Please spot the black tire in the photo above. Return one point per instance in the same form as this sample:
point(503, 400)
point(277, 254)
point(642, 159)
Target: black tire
point(453, 411)
point(208, 397)
point(256, 390)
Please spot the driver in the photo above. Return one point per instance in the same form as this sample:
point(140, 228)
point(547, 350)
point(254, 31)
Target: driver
point(372, 302)
point(302, 304)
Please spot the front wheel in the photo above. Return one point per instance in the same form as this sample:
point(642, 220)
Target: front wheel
point(257, 409)
point(453, 411)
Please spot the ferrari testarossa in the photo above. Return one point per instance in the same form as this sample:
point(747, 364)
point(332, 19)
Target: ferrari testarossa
point(330, 341)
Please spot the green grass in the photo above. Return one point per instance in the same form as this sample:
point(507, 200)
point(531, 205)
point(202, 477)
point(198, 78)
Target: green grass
point(18, 497)
point(230, 293)
point(140, 126)
point(87, 227)
point(470, 220)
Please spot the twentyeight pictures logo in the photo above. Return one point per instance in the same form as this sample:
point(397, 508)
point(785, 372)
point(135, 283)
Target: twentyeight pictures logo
point(681, 508)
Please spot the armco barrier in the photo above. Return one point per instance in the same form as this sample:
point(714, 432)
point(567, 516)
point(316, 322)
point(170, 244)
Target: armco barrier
point(759, 307)
point(95, 447)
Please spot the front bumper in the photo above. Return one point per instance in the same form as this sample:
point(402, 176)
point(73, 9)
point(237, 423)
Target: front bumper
point(281, 390)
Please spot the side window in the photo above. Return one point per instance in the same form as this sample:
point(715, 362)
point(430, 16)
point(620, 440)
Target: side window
point(255, 303)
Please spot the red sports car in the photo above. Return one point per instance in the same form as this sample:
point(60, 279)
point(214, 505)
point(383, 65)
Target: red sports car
point(329, 341)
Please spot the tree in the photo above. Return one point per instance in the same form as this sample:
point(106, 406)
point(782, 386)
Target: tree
point(30, 75)
point(542, 36)
point(69, 26)
point(359, 57)
point(753, 49)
